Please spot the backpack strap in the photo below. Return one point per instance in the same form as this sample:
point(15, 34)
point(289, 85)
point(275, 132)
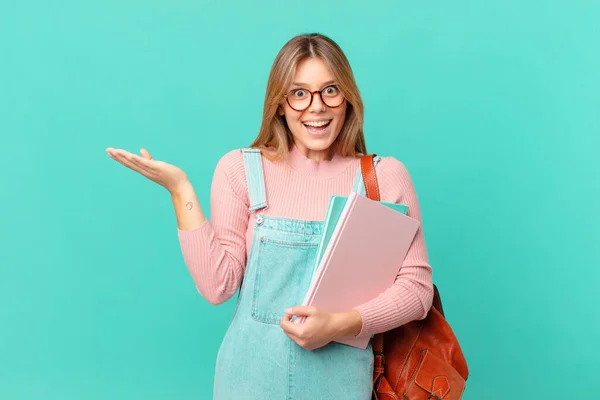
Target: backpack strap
point(359, 181)
point(367, 167)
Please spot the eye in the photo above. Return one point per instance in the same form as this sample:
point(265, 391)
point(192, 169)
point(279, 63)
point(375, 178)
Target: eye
point(331, 90)
point(299, 93)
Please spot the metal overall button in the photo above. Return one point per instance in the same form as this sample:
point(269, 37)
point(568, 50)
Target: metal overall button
point(259, 219)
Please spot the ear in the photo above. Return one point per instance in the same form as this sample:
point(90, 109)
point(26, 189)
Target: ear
point(280, 110)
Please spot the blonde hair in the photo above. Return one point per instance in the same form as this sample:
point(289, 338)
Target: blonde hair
point(274, 133)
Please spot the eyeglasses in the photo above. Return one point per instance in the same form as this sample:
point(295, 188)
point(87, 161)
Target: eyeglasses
point(301, 99)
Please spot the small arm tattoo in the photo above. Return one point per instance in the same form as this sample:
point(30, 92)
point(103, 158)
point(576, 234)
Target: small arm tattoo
point(189, 205)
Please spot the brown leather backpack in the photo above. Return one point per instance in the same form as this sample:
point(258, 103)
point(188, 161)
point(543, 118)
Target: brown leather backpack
point(421, 360)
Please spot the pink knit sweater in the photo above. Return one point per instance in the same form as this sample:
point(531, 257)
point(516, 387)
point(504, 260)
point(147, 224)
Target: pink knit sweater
point(216, 252)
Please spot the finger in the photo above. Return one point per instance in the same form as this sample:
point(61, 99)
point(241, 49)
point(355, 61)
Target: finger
point(128, 163)
point(129, 156)
point(301, 311)
point(147, 169)
point(291, 327)
point(145, 154)
point(295, 338)
point(299, 341)
point(111, 152)
point(141, 162)
point(291, 333)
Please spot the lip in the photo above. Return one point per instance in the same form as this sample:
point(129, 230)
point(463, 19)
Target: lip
point(321, 134)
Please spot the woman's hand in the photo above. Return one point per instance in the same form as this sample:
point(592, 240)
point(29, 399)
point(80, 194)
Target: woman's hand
point(166, 175)
point(320, 326)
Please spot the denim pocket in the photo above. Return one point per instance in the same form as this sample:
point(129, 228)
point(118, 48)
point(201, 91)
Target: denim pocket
point(283, 274)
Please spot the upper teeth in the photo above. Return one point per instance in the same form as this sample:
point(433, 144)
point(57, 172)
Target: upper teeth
point(316, 123)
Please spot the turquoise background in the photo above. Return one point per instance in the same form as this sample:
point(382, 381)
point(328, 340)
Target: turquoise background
point(492, 106)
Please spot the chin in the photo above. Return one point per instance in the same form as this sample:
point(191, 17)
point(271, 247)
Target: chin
point(317, 144)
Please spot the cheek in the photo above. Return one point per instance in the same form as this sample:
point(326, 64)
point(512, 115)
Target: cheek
point(292, 117)
point(340, 114)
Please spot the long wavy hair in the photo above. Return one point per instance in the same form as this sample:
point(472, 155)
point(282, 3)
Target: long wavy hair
point(274, 133)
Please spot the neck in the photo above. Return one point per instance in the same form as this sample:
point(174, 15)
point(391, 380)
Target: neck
point(316, 155)
point(323, 167)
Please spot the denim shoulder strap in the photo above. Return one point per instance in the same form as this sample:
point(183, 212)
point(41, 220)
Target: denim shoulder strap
point(255, 178)
point(359, 185)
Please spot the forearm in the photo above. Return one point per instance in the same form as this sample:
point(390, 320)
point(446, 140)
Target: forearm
point(215, 281)
point(347, 323)
point(187, 207)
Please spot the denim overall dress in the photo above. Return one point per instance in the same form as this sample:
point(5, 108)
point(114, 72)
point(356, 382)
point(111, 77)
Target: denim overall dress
point(257, 360)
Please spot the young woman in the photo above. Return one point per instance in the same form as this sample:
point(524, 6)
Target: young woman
point(267, 206)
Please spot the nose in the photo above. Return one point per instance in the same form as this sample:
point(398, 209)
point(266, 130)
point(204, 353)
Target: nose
point(317, 104)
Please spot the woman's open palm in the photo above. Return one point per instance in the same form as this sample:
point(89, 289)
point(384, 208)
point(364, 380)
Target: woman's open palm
point(166, 175)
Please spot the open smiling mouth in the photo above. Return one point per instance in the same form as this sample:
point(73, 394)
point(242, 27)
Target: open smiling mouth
point(317, 127)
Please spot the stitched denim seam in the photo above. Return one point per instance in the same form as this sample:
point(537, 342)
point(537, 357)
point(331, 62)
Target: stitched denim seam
point(291, 231)
point(291, 361)
point(256, 284)
point(258, 206)
point(295, 230)
point(244, 286)
point(294, 220)
point(290, 244)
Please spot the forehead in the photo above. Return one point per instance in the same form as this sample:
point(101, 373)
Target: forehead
point(313, 72)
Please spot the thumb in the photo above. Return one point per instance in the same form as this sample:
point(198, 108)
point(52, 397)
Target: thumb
point(145, 154)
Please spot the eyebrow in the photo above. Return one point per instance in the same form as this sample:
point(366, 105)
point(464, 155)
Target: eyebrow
point(306, 84)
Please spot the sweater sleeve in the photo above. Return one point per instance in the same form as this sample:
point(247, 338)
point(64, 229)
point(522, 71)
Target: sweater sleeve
point(215, 252)
point(411, 295)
